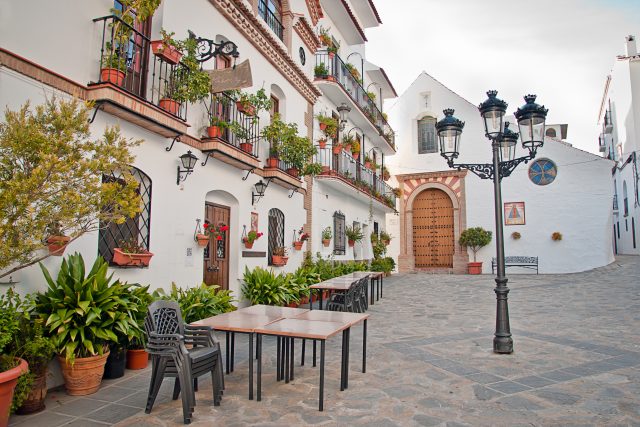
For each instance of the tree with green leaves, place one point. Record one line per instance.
(51, 179)
(475, 238)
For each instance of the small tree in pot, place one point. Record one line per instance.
(475, 238)
(354, 234)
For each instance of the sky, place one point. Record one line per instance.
(560, 50)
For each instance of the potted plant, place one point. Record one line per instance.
(188, 82)
(130, 252)
(397, 191)
(242, 134)
(302, 237)
(82, 314)
(354, 234)
(326, 237)
(324, 36)
(262, 286)
(277, 133)
(57, 242)
(385, 173)
(367, 161)
(199, 302)
(251, 237)
(137, 356)
(202, 239)
(216, 127)
(353, 71)
(355, 149)
(328, 126)
(347, 142)
(279, 256)
(298, 152)
(333, 49)
(475, 238)
(322, 143)
(113, 65)
(251, 104)
(385, 237)
(13, 370)
(215, 232)
(321, 71)
(167, 48)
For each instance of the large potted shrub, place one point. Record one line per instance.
(82, 313)
(199, 302)
(475, 238)
(262, 286)
(298, 153)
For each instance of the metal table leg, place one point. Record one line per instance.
(364, 347)
(278, 344)
(372, 285)
(251, 365)
(227, 346)
(259, 380)
(342, 361)
(381, 285)
(292, 358)
(346, 365)
(314, 353)
(233, 351)
(304, 341)
(286, 360)
(321, 403)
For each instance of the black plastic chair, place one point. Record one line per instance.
(182, 352)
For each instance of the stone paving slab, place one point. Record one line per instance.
(430, 362)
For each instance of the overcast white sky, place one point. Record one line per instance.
(561, 50)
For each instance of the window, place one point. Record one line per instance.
(136, 228)
(543, 172)
(276, 231)
(275, 106)
(338, 232)
(625, 201)
(271, 12)
(618, 224)
(551, 132)
(427, 135)
(375, 227)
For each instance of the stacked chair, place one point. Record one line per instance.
(354, 300)
(182, 352)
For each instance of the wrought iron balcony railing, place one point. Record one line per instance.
(607, 123)
(338, 71)
(132, 66)
(273, 161)
(615, 202)
(270, 18)
(346, 166)
(234, 127)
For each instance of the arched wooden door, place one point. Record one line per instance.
(433, 240)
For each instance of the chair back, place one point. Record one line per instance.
(164, 317)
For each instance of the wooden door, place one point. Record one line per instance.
(216, 254)
(433, 240)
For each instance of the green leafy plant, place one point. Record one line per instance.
(353, 70)
(220, 122)
(384, 236)
(131, 246)
(355, 147)
(280, 251)
(475, 238)
(252, 236)
(199, 302)
(84, 313)
(298, 152)
(259, 101)
(311, 169)
(385, 265)
(371, 95)
(327, 233)
(142, 298)
(347, 139)
(354, 233)
(239, 130)
(320, 70)
(328, 125)
(188, 82)
(262, 286)
(277, 133)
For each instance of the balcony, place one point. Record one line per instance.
(615, 203)
(270, 18)
(602, 143)
(608, 122)
(340, 86)
(281, 173)
(132, 81)
(345, 174)
(235, 138)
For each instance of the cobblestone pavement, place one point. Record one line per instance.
(576, 363)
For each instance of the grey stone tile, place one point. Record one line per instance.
(533, 381)
(79, 407)
(484, 393)
(508, 387)
(81, 422)
(484, 378)
(519, 403)
(112, 393)
(113, 413)
(557, 397)
(426, 420)
(559, 375)
(46, 418)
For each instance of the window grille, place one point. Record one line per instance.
(427, 135)
(338, 232)
(136, 228)
(276, 231)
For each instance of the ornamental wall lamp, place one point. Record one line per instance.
(531, 122)
(343, 111)
(188, 161)
(207, 49)
(260, 188)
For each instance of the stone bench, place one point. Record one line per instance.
(517, 261)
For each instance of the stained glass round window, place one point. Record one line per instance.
(542, 172)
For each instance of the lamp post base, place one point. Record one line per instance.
(503, 345)
(502, 341)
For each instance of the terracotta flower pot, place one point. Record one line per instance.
(247, 147)
(272, 162)
(323, 126)
(112, 75)
(165, 51)
(336, 148)
(367, 165)
(169, 105)
(123, 258)
(294, 172)
(57, 244)
(347, 148)
(326, 242)
(475, 267)
(279, 261)
(331, 55)
(248, 245)
(352, 243)
(8, 381)
(84, 376)
(246, 108)
(326, 170)
(214, 131)
(322, 143)
(298, 245)
(137, 359)
(356, 155)
(203, 240)
(34, 402)
(293, 304)
(386, 242)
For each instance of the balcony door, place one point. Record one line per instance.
(216, 254)
(137, 56)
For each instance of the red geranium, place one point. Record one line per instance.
(215, 231)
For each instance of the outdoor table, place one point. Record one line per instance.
(336, 284)
(289, 329)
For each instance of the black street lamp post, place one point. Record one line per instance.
(531, 121)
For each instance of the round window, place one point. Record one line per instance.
(303, 56)
(542, 172)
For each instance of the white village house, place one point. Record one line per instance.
(564, 190)
(619, 141)
(280, 39)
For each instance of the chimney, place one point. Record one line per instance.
(632, 50)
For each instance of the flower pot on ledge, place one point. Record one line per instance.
(112, 75)
(202, 239)
(474, 267)
(294, 172)
(336, 148)
(165, 51)
(125, 259)
(57, 244)
(247, 147)
(246, 108)
(214, 131)
(169, 105)
(279, 261)
(272, 162)
(352, 243)
(8, 381)
(322, 143)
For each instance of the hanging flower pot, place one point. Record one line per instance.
(57, 244)
(112, 75)
(347, 148)
(137, 358)
(248, 245)
(352, 243)
(214, 131)
(169, 105)
(272, 162)
(166, 51)
(279, 260)
(246, 108)
(138, 259)
(336, 148)
(322, 143)
(323, 126)
(298, 245)
(367, 165)
(247, 147)
(202, 239)
(356, 155)
(326, 242)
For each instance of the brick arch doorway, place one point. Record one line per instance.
(433, 229)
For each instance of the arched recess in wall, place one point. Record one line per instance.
(278, 102)
(220, 259)
(550, 132)
(222, 61)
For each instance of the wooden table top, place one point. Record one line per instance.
(301, 328)
(334, 316)
(333, 285)
(270, 310)
(237, 321)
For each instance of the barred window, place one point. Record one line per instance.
(427, 135)
(338, 232)
(276, 231)
(137, 228)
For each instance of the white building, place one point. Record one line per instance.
(560, 191)
(61, 53)
(619, 118)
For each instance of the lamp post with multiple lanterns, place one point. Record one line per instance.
(531, 122)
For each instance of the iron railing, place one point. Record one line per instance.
(615, 202)
(133, 68)
(280, 164)
(270, 18)
(337, 69)
(365, 179)
(237, 128)
(608, 123)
